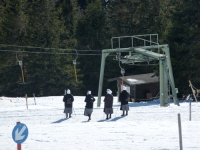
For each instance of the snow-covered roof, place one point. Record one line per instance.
(138, 79)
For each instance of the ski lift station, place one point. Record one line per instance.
(143, 49)
(142, 87)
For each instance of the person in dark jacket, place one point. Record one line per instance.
(124, 98)
(108, 104)
(68, 99)
(89, 99)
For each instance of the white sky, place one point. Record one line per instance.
(147, 127)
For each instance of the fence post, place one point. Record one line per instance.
(190, 113)
(34, 98)
(26, 101)
(180, 132)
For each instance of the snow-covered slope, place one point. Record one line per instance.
(147, 127)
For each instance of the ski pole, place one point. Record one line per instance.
(74, 111)
(117, 110)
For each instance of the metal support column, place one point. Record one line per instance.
(176, 101)
(168, 60)
(103, 58)
(161, 75)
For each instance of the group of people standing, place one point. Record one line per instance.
(124, 98)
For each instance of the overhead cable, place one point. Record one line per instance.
(31, 47)
(53, 53)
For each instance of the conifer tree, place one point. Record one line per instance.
(132, 17)
(181, 31)
(42, 27)
(10, 26)
(90, 34)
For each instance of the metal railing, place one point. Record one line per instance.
(146, 39)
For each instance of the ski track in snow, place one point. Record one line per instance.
(147, 126)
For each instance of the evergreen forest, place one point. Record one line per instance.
(47, 46)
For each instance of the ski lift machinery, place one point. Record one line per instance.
(74, 62)
(148, 51)
(22, 70)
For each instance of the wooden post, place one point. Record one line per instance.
(190, 116)
(193, 92)
(34, 98)
(19, 145)
(26, 101)
(180, 132)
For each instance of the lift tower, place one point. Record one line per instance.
(143, 48)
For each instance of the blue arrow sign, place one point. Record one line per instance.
(20, 133)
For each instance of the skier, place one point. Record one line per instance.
(89, 99)
(68, 99)
(108, 104)
(124, 98)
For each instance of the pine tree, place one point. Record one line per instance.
(41, 27)
(181, 31)
(56, 71)
(90, 34)
(70, 14)
(132, 17)
(9, 32)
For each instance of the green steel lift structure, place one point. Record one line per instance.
(143, 49)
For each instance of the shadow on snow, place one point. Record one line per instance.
(138, 104)
(114, 119)
(60, 120)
